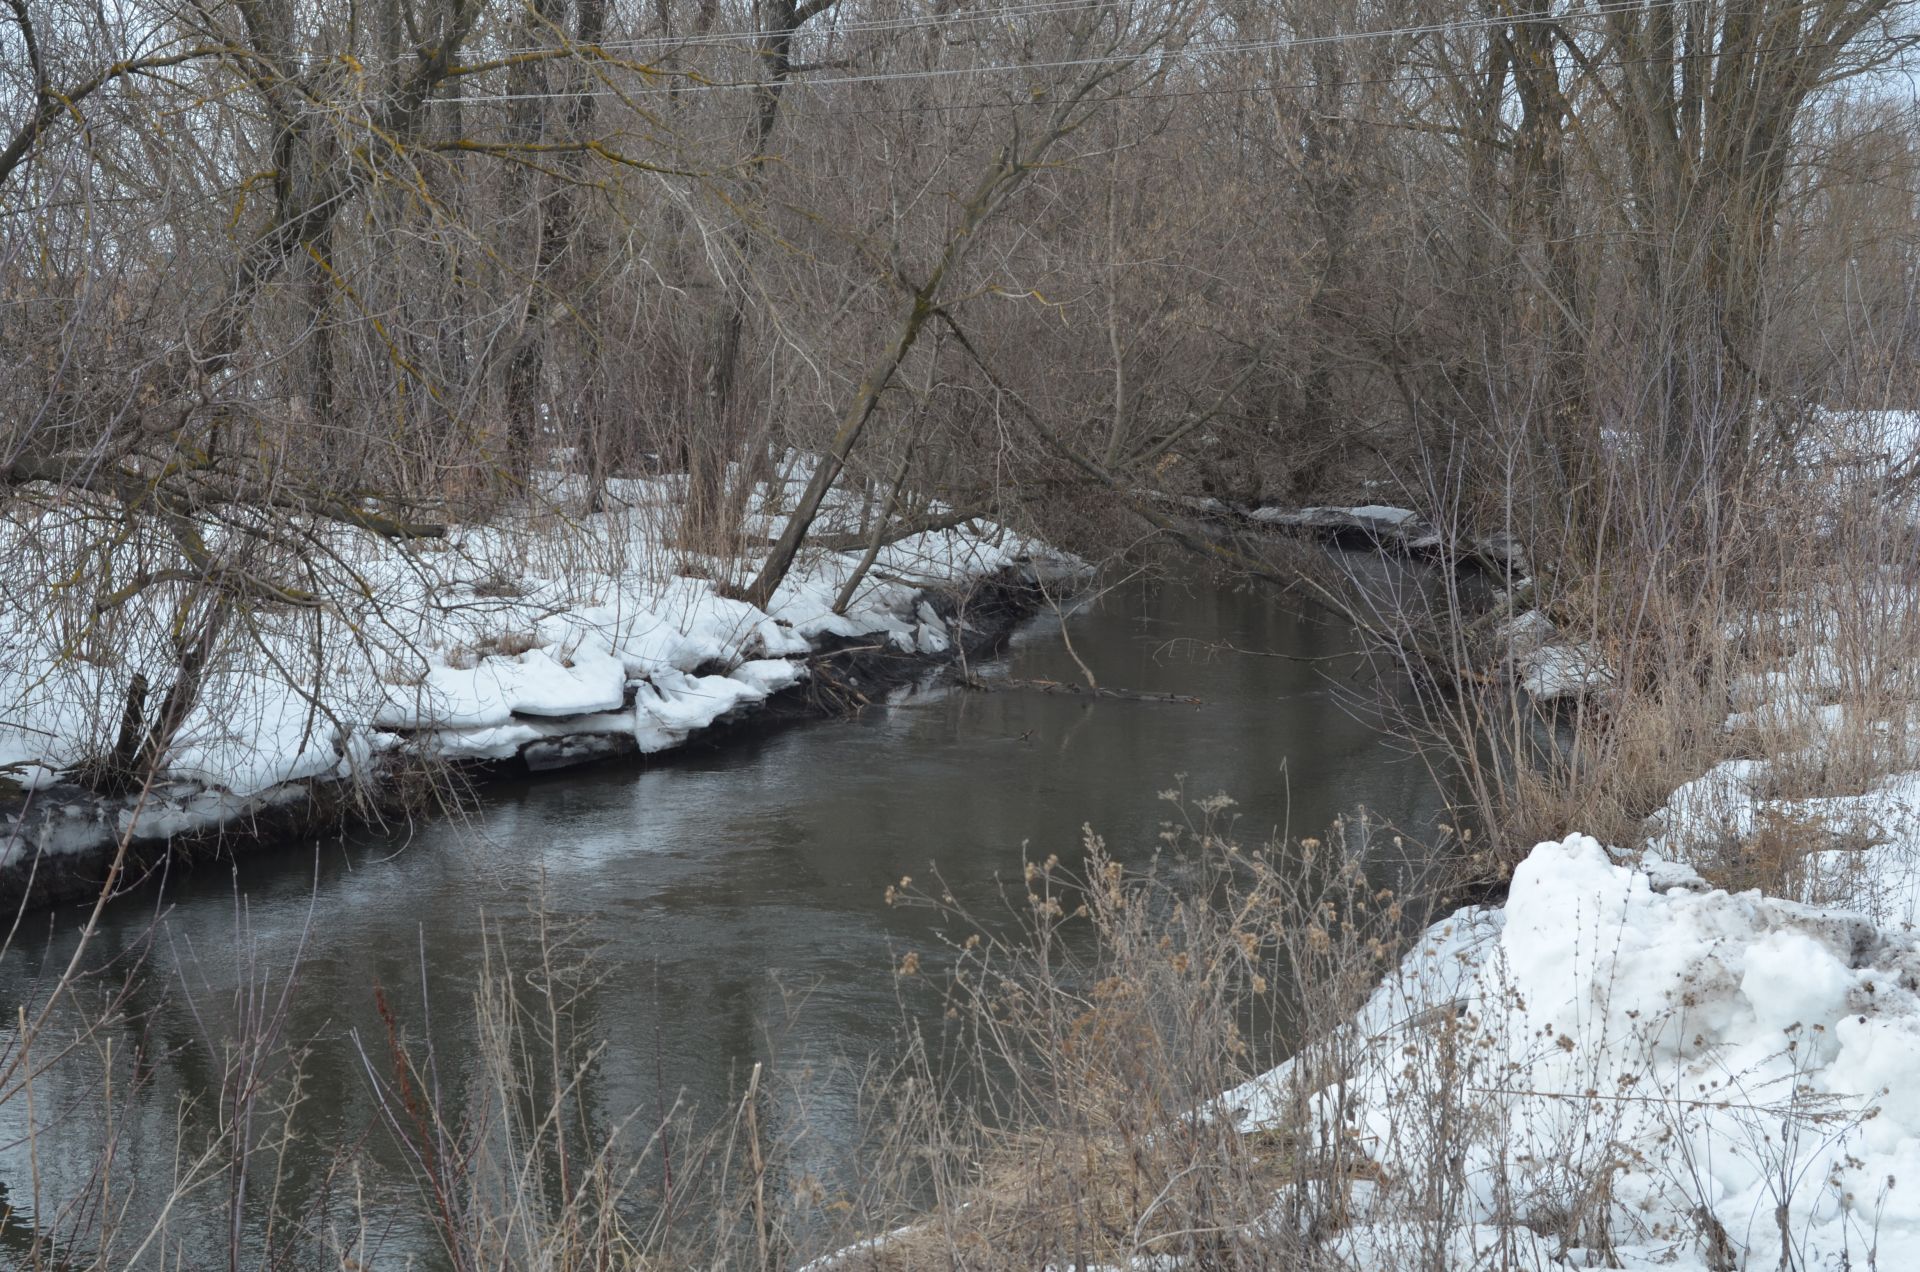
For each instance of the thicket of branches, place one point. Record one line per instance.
(411, 249)
(1578, 269)
(1586, 271)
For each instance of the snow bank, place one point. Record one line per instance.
(1629, 1068)
(1386, 525)
(1547, 665)
(1626, 1067)
(552, 638)
(1836, 800)
(1634, 1069)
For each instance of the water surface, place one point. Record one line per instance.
(717, 891)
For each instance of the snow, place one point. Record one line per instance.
(1628, 1067)
(1720, 1061)
(1832, 773)
(1382, 512)
(1372, 518)
(1553, 672)
(1863, 442)
(1547, 665)
(1524, 633)
(561, 633)
(1862, 850)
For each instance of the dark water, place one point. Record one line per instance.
(734, 899)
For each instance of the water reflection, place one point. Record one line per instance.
(716, 890)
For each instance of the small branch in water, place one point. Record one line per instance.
(1093, 691)
(1228, 647)
(1066, 637)
(850, 699)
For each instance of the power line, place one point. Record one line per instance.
(1218, 48)
(1213, 48)
(1228, 48)
(754, 35)
(699, 39)
(840, 112)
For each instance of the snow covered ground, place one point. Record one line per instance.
(525, 638)
(1627, 1067)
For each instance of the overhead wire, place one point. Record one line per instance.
(984, 103)
(938, 21)
(833, 26)
(1208, 49)
(1225, 48)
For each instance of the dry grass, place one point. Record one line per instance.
(1778, 624)
(1772, 859)
(1099, 1149)
(512, 644)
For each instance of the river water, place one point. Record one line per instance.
(734, 899)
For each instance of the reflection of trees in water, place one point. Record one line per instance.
(732, 901)
(17, 1231)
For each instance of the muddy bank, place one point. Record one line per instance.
(70, 835)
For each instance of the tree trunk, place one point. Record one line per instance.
(1000, 181)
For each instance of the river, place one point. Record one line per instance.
(733, 899)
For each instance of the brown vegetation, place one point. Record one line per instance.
(1581, 274)
(1592, 275)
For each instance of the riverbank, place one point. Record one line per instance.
(1688, 1045)
(528, 646)
(513, 648)
(730, 903)
(1691, 1045)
